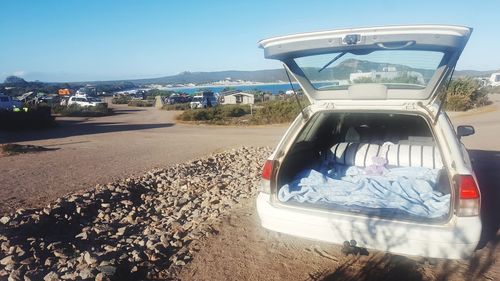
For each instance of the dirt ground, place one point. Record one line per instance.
(245, 251)
(83, 152)
(99, 150)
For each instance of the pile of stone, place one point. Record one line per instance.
(139, 228)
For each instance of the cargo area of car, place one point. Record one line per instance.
(384, 165)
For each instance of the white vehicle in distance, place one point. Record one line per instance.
(374, 162)
(495, 79)
(7, 103)
(204, 100)
(197, 102)
(85, 101)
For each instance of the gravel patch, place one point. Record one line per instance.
(146, 227)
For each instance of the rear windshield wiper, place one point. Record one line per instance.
(333, 60)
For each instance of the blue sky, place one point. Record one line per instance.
(104, 40)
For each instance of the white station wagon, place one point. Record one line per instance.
(373, 161)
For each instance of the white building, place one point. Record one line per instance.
(388, 73)
(237, 98)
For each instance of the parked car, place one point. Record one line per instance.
(196, 102)
(85, 101)
(374, 162)
(8, 103)
(175, 99)
(204, 100)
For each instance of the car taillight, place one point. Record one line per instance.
(469, 196)
(267, 170)
(267, 173)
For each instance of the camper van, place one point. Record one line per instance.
(495, 79)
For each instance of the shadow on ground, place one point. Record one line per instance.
(117, 111)
(487, 166)
(378, 267)
(77, 127)
(481, 266)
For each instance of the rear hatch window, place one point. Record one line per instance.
(396, 69)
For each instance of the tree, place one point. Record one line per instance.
(14, 80)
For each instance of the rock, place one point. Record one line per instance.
(20, 252)
(59, 253)
(146, 219)
(107, 270)
(69, 276)
(126, 202)
(51, 276)
(121, 231)
(88, 258)
(182, 201)
(10, 267)
(83, 235)
(136, 256)
(180, 263)
(101, 277)
(27, 261)
(31, 275)
(109, 248)
(98, 229)
(15, 275)
(4, 220)
(8, 260)
(86, 273)
(50, 261)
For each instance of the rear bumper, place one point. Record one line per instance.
(455, 240)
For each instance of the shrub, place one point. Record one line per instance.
(493, 89)
(75, 110)
(140, 103)
(121, 100)
(215, 114)
(177, 106)
(458, 103)
(268, 113)
(197, 115)
(233, 110)
(465, 93)
(34, 118)
(282, 111)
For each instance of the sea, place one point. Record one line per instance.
(271, 88)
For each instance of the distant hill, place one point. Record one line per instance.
(474, 73)
(265, 76)
(341, 71)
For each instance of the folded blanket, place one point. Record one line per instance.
(410, 189)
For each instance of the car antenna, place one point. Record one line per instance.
(295, 94)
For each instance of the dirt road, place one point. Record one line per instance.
(87, 151)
